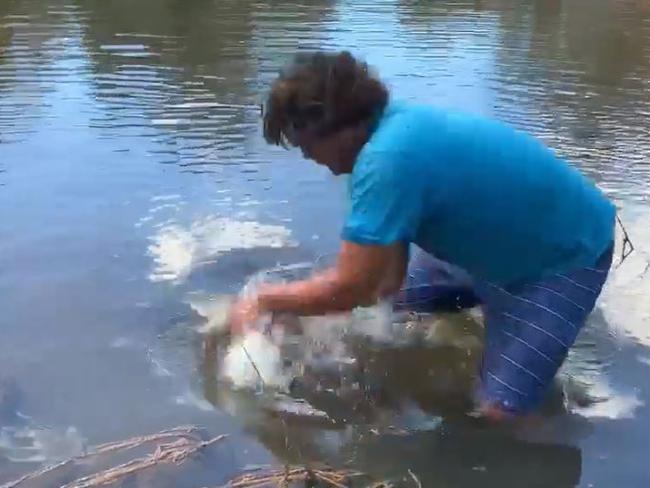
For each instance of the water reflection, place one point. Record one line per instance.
(186, 74)
(582, 88)
(130, 148)
(30, 40)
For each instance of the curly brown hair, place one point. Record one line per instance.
(322, 92)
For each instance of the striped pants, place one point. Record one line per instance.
(528, 329)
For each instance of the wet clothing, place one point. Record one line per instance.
(503, 222)
(476, 193)
(528, 328)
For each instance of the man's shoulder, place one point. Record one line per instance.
(413, 122)
(401, 127)
(408, 136)
(398, 111)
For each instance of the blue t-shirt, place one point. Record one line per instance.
(476, 193)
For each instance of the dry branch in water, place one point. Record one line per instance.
(415, 479)
(180, 444)
(174, 452)
(184, 443)
(282, 477)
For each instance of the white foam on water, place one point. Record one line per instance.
(192, 400)
(610, 404)
(591, 393)
(163, 206)
(253, 361)
(173, 252)
(37, 445)
(374, 323)
(165, 197)
(214, 309)
(624, 300)
(122, 342)
(644, 360)
(176, 250)
(59, 444)
(159, 369)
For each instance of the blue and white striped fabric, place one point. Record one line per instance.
(529, 329)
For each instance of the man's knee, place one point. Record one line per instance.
(434, 285)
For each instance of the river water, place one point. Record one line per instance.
(133, 178)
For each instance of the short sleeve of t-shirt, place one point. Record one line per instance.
(385, 204)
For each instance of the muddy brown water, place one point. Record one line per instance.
(133, 177)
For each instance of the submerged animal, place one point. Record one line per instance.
(341, 367)
(353, 366)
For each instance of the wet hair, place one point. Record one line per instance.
(322, 92)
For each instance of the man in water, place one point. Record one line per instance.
(497, 218)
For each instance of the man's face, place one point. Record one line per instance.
(326, 151)
(324, 154)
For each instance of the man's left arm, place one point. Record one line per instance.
(386, 199)
(362, 275)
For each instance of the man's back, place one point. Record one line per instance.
(477, 193)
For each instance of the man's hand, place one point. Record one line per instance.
(362, 275)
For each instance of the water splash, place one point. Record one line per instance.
(609, 403)
(37, 445)
(254, 361)
(177, 250)
(212, 308)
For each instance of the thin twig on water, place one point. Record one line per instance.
(186, 443)
(415, 479)
(254, 366)
(183, 431)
